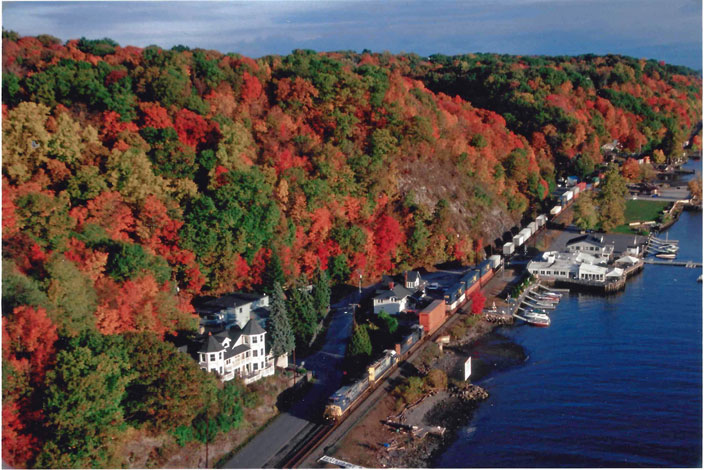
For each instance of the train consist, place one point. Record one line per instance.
(347, 397)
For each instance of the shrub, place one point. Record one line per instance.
(436, 379)
(183, 435)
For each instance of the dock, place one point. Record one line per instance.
(686, 264)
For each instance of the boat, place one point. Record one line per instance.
(536, 319)
(699, 279)
(545, 298)
(552, 294)
(666, 255)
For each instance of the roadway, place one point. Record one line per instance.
(271, 445)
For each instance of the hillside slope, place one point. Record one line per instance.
(135, 179)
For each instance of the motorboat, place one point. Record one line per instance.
(536, 319)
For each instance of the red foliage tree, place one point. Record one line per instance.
(478, 301)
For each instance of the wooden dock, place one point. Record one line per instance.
(686, 264)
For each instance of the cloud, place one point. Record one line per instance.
(633, 27)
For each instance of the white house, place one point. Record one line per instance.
(237, 352)
(392, 301)
(592, 245)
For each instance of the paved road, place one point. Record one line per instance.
(271, 444)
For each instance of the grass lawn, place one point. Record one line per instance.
(640, 211)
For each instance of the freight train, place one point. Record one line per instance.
(347, 397)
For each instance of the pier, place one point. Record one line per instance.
(686, 264)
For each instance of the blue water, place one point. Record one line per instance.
(614, 381)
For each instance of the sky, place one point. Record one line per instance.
(669, 30)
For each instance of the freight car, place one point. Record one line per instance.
(471, 281)
(485, 271)
(346, 398)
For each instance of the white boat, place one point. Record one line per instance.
(552, 294)
(666, 255)
(536, 319)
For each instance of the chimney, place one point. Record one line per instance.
(391, 285)
(397, 348)
(405, 277)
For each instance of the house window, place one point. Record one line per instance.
(256, 366)
(202, 357)
(220, 370)
(212, 357)
(220, 355)
(246, 354)
(228, 361)
(240, 309)
(254, 339)
(262, 352)
(254, 353)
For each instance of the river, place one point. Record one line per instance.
(614, 381)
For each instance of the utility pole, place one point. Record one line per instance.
(207, 427)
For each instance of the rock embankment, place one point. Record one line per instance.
(499, 318)
(451, 410)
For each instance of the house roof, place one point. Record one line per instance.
(252, 328)
(211, 345)
(591, 269)
(616, 272)
(232, 300)
(627, 260)
(240, 349)
(591, 239)
(398, 291)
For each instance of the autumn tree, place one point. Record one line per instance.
(478, 301)
(586, 216)
(612, 202)
(631, 170)
(695, 187)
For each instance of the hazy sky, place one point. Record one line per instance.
(669, 30)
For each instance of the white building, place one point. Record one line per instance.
(232, 309)
(592, 245)
(392, 301)
(237, 352)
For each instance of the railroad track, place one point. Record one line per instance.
(320, 432)
(316, 435)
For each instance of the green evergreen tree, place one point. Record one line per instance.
(390, 323)
(302, 315)
(321, 293)
(273, 274)
(360, 346)
(83, 402)
(279, 327)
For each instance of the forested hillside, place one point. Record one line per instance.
(135, 179)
